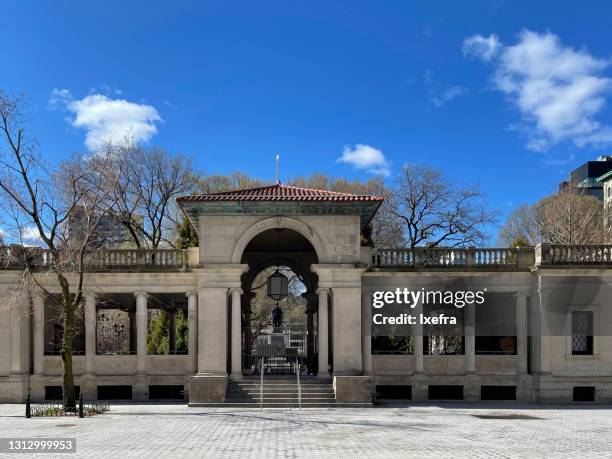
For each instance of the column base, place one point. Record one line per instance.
(207, 389)
(140, 389)
(353, 389)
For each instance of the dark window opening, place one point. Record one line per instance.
(445, 392)
(582, 332)
(114, 392)
(167, 392)
(393, 392)
(57, 392)
(584, 394)
(498, 392)
(495, 345)
(392, 345)
(443, 345)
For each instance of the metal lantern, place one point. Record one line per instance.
(278, 286)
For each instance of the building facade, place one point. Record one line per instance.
(551, 304)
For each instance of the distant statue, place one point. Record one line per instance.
(277, 318)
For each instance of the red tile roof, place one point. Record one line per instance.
(278, 192)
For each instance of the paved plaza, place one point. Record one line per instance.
(416, 430)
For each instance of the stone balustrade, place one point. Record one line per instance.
(517, 258)
(15, 256)
(450, 257)
(553, 254)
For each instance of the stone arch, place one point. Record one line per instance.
(280, 222)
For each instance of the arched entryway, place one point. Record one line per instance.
(294, 338)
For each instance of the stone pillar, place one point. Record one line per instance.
(366, 332)
(39, 333)
(323, 367)
(90, 332)
(141, 331)
(469, 314)
(17, 342)
(346, 320)
(212, 331)
(522, 349)
(236, 333)
(417, 338)
(172, 331)
(192, 316)
(311, 308)
(546, 345)
(215, 281)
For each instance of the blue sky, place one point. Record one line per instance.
(509, 94)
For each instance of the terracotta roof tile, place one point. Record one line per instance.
(278, 192)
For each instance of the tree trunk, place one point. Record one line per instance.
(67, 341)
(68, 376)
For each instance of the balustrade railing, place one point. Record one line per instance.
(576, 254)
(445, 257)
(17, 256)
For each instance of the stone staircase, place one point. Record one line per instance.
(280, 392)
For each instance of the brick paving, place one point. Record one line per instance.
(407, 431)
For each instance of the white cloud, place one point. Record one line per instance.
(447, 95)
(482, 47)
(558, 90)
(107, 120)
(365, 157)
(59, 99)
(30, 234)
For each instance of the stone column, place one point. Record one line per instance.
(90, 332)
(141, 331)
(39, 333)
(522, 349)
(236, 333)
(469, 314)
(311, 308)
(172, 330)
(546, 345)
(366, 332)
(192, 316)
(417, 338)
(323, 332)
(17, 342)
(212, 331)
(246, 309)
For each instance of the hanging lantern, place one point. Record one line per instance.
(278, 286)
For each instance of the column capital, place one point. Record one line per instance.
(141, 293)
(323, 290)
(191, 293)
(234, 290)
(522, 293)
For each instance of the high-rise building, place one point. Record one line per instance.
(584, 179)
(606, 182)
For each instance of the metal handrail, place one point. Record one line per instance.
(261, 372)
(299, 385)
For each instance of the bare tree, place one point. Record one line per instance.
(571, 218)
(146, 185)
(437, 212)
(521, 225)
(566, 217)
(62, 208)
